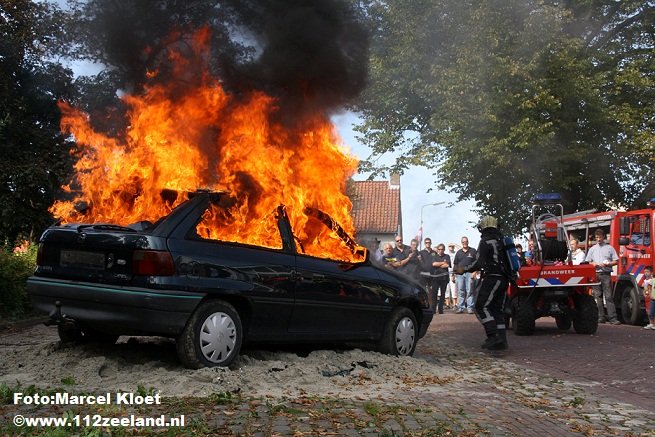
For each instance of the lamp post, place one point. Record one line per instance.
(420, 243)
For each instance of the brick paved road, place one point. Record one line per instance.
(617, 361)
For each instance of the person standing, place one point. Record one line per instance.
(441, 264)
(519, 252)
(411, 266)
(649, 295)
(603, 257)
(451, 293)
(400, 251)
(491, 261)
(529, 253)
(426, 256)
(463, 259)
(577, 254)
(388, 259)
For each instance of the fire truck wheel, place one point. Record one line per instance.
(563, 322)
(630, 307)
(524, 317)
(586, 319)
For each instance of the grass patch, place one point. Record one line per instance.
(372, 408)
(69, 380)
(223, 398)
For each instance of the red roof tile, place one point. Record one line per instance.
(376, 207)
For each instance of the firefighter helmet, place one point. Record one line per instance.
(488, 222)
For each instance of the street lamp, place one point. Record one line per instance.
(427, 204)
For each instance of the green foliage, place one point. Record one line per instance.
(223, 398)
(142, 390)
(7, 392)
(35, 155)
(15, 268)
(505, 99)
(68, 380)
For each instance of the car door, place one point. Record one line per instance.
(259, 281)
(338, 300)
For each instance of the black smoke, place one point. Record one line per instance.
(312, 53)
(309, 55)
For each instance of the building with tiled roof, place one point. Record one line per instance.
(376, 211)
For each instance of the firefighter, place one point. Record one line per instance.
(492, 262)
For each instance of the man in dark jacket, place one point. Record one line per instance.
(492, 262)
(435, 265)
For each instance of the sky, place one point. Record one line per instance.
(442, 223)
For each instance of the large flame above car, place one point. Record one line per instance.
(197, 136)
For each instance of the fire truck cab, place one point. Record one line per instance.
(630, 233)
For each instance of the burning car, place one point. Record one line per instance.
(181, 277)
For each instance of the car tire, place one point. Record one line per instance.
(585, 321)
(563, 322)
(630, 310)
(76, 334)
(212, 336)
(524, 317)
(400, 333)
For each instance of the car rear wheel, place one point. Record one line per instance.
(400, 333)
(212, 336)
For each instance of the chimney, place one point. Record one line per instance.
(394, 181)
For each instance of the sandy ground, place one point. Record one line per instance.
(35, 356)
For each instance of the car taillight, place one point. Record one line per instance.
(153, 263)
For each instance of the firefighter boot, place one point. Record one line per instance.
(496, 342)
(500, 342)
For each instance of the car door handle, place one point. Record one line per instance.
(294, 276)
(318, 276)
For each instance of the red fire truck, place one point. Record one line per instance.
(551, 286)
(629, 232)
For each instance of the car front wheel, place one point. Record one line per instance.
(212, 336)
(400, 333)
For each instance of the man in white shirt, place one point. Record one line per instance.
(603, 256)
(577, 254)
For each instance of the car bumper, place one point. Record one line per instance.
(425, 322)
(122, 310)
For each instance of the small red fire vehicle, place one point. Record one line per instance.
(551, 286)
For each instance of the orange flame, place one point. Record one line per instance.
(205, 138)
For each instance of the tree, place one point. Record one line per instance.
(35, 155)
(505, 99)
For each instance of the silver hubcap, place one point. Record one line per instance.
(218, 335)
(405, 334)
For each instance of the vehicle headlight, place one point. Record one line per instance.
(422, 296)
